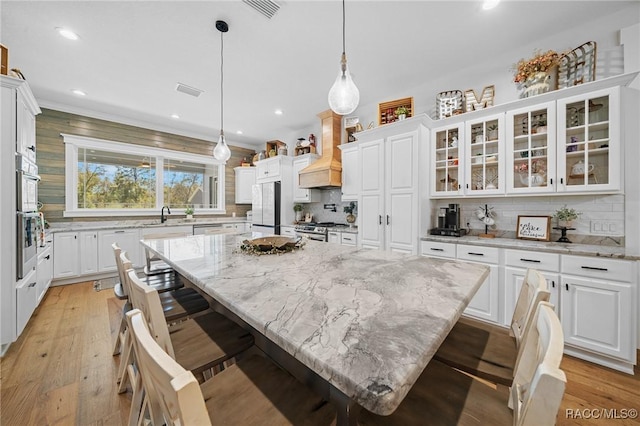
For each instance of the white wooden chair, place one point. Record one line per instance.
(154, 265)
(445, 396)
(491, 354)
(254, 391)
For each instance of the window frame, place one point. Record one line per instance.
(74, 142)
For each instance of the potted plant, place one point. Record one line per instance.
(492, 132)
(566, 216)
(401, 112)
(189, 212)
(298, 209)
(542, 126)
(351, 218)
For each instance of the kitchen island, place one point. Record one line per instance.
(366, 322)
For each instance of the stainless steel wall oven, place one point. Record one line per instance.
(27, 215)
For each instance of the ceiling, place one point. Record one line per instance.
(131, 55)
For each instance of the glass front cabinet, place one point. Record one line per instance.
(446, 150)
(531, 149)
(589, 151)
(484, 152)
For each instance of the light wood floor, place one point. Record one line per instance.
(61, 372)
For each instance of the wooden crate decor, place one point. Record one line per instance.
(448, 103)
(273, 145)
(471, 100)
(578, 66)
(4, 60)
(387, 110)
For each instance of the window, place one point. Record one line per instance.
(106, 178)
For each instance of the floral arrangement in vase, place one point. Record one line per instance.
(349, 210)
(566, 216)
(401, 112)
(534, 74)
(189, 212)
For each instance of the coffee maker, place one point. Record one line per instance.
(449, 222)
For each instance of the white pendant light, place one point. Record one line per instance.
(222, 151)
(344, 96)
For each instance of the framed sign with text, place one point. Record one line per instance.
(534, 228)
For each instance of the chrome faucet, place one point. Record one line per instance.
(163, 218)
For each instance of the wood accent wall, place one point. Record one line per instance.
(51, 167)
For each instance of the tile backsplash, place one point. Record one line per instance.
(594, 208)
(320, 214)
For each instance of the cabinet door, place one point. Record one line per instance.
(484, 304)
(589, 142)
(484, 152)
(26, 300)
(333, 237)
(531, 149)
(245, 179)
(596, 315)
(513, 279)
(401, 200)
(44, 273)
(303, 195)
(371, 200)
(127, 239)
(89, 253)
(350, 182)
(66, 263)
(26, 129)
(447, 156)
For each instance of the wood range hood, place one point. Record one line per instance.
(327, 171)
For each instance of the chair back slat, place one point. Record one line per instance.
(538, 384)
(147, 300)
(534, 290)
(173, 393)
(118, 251)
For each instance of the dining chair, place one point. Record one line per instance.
(489, 353)
(445, 396)
(153, 264)
(253, 391)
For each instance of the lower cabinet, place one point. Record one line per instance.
(288, 231)
(485, 305)
(26, 300)
(67, 261)
(44, 272)
(127, 239)
(344, 238)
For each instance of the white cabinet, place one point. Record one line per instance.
(44, 271)
(127, 239)
(447, 159)
(350, 172)
(66, 262)
(333, 237)
(589, 142)
(288, 231)
(245, 179)
(26, 300)
(484, 160)
(388, 199)
(239, 227)
(89, 252)
(485, 304)
(598, 306)
(269, 170)
(348, 239)
(303, 195)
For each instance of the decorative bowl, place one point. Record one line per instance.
(273, 243)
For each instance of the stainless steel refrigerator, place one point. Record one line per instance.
(265, 204)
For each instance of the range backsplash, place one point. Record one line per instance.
(609, 208)
(320, 214)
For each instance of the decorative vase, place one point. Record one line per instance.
(565, 223)
(299, 216)
(402, 116)
(189, 217)
(351, 219)
(540, 82)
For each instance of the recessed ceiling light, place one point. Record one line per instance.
(78, 92)
(490, 4)
(239, 132)
(67, 33)
(175, 116)
(278, 112)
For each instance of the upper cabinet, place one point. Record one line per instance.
(245, 179)
(448, 153)
(484, 153)
(304, 195)
(589, 142)
(350, 172)
(531, 149)
(271, 169)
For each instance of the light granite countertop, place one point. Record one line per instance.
(132, 224)
(366, 321)
(542, 246)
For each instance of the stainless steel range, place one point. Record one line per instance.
(316, 231)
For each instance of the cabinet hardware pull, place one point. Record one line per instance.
(32, 148)
(346, 239)
(119, 232)
(566, 285)
(594, 268)
(553, 284)
(33, 284)
(75, 237)
(561, 181)
(551, 181)
(48, 257)
(459, 186)
(387, 219)
(436, 249)
(467, 186)
(380, 219)
(529, 260)
(475, 254)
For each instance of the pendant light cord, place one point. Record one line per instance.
(221, 82)
(344, 49)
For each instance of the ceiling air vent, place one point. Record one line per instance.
(188, 90)
(267, 8)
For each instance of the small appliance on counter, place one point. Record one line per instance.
(449, 222)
